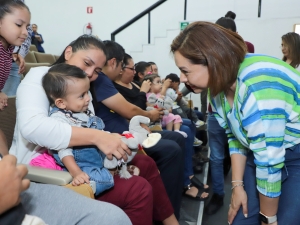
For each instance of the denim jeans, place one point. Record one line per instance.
(189, 128)
(217, 140)
(90, 159)
(13, 81)
(289, 204)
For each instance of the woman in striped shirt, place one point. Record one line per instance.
(256, 99)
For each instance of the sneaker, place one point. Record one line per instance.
(197, 142)
(199, 123)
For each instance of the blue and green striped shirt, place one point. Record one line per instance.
(264, 117)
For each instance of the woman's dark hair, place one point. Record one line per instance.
(6, 6)
(126, 59)
(227, 23)
(114, 50)
(152, 63)
(292, 40)
(150, 77)
(140, 67)
(83, 42)
(211, 45)
(55, 82)
(173, 77)
(230, 14)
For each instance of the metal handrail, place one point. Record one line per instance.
(147, 11)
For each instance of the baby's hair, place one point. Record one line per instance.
(173, 77)
(6, 6)
(150, 77)
(55, 82)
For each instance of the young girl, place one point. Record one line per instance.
(14, 20)
(169, 121)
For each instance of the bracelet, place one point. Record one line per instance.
(237, 181)
(237, 185)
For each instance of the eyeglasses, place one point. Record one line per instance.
(133, 68)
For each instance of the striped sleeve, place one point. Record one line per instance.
(235, 147)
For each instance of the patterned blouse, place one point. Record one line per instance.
(264, 117)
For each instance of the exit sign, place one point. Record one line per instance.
(89, 10)
(183, 25)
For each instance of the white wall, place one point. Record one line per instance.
(62, 21)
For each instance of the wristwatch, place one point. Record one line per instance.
(267, 219)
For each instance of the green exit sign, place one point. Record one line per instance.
(183, 25)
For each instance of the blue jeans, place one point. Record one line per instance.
(90, 159)
(289, 204)
(189, 128)
(217, 140)
(13, 81)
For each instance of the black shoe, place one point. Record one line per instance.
(215, 203)
(200, 158)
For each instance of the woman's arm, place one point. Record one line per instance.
(165, 86)
(127, 110)
(36, 127)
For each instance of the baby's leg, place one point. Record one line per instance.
(177, 125)
(169, 126)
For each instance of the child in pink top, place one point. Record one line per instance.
(169, 121)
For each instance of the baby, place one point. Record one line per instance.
(67, 88)
(169, 120)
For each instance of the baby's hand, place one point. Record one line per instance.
(80, 178)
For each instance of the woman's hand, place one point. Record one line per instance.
(3, 100)
(145, 86)
(80, 178)
(155, 114)
(238, 199)
(111, 144)
(20, 61)
(12, 182)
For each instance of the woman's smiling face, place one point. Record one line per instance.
(195, 75)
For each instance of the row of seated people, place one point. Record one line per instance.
(159, 195)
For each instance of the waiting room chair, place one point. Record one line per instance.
(44, 58)
(33, 48)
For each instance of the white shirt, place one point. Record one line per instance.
(171, 94)
(34, 128)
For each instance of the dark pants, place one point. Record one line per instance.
(289, 202)
(168, 155)
(137, 195)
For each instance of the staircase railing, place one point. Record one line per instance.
(147, 11)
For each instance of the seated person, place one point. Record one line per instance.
(180, 106)
(141, 69)
(169, 120)
(35, 129)
(67, 88)
(113, 108)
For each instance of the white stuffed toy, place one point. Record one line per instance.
(155, 102)
(135, 138)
